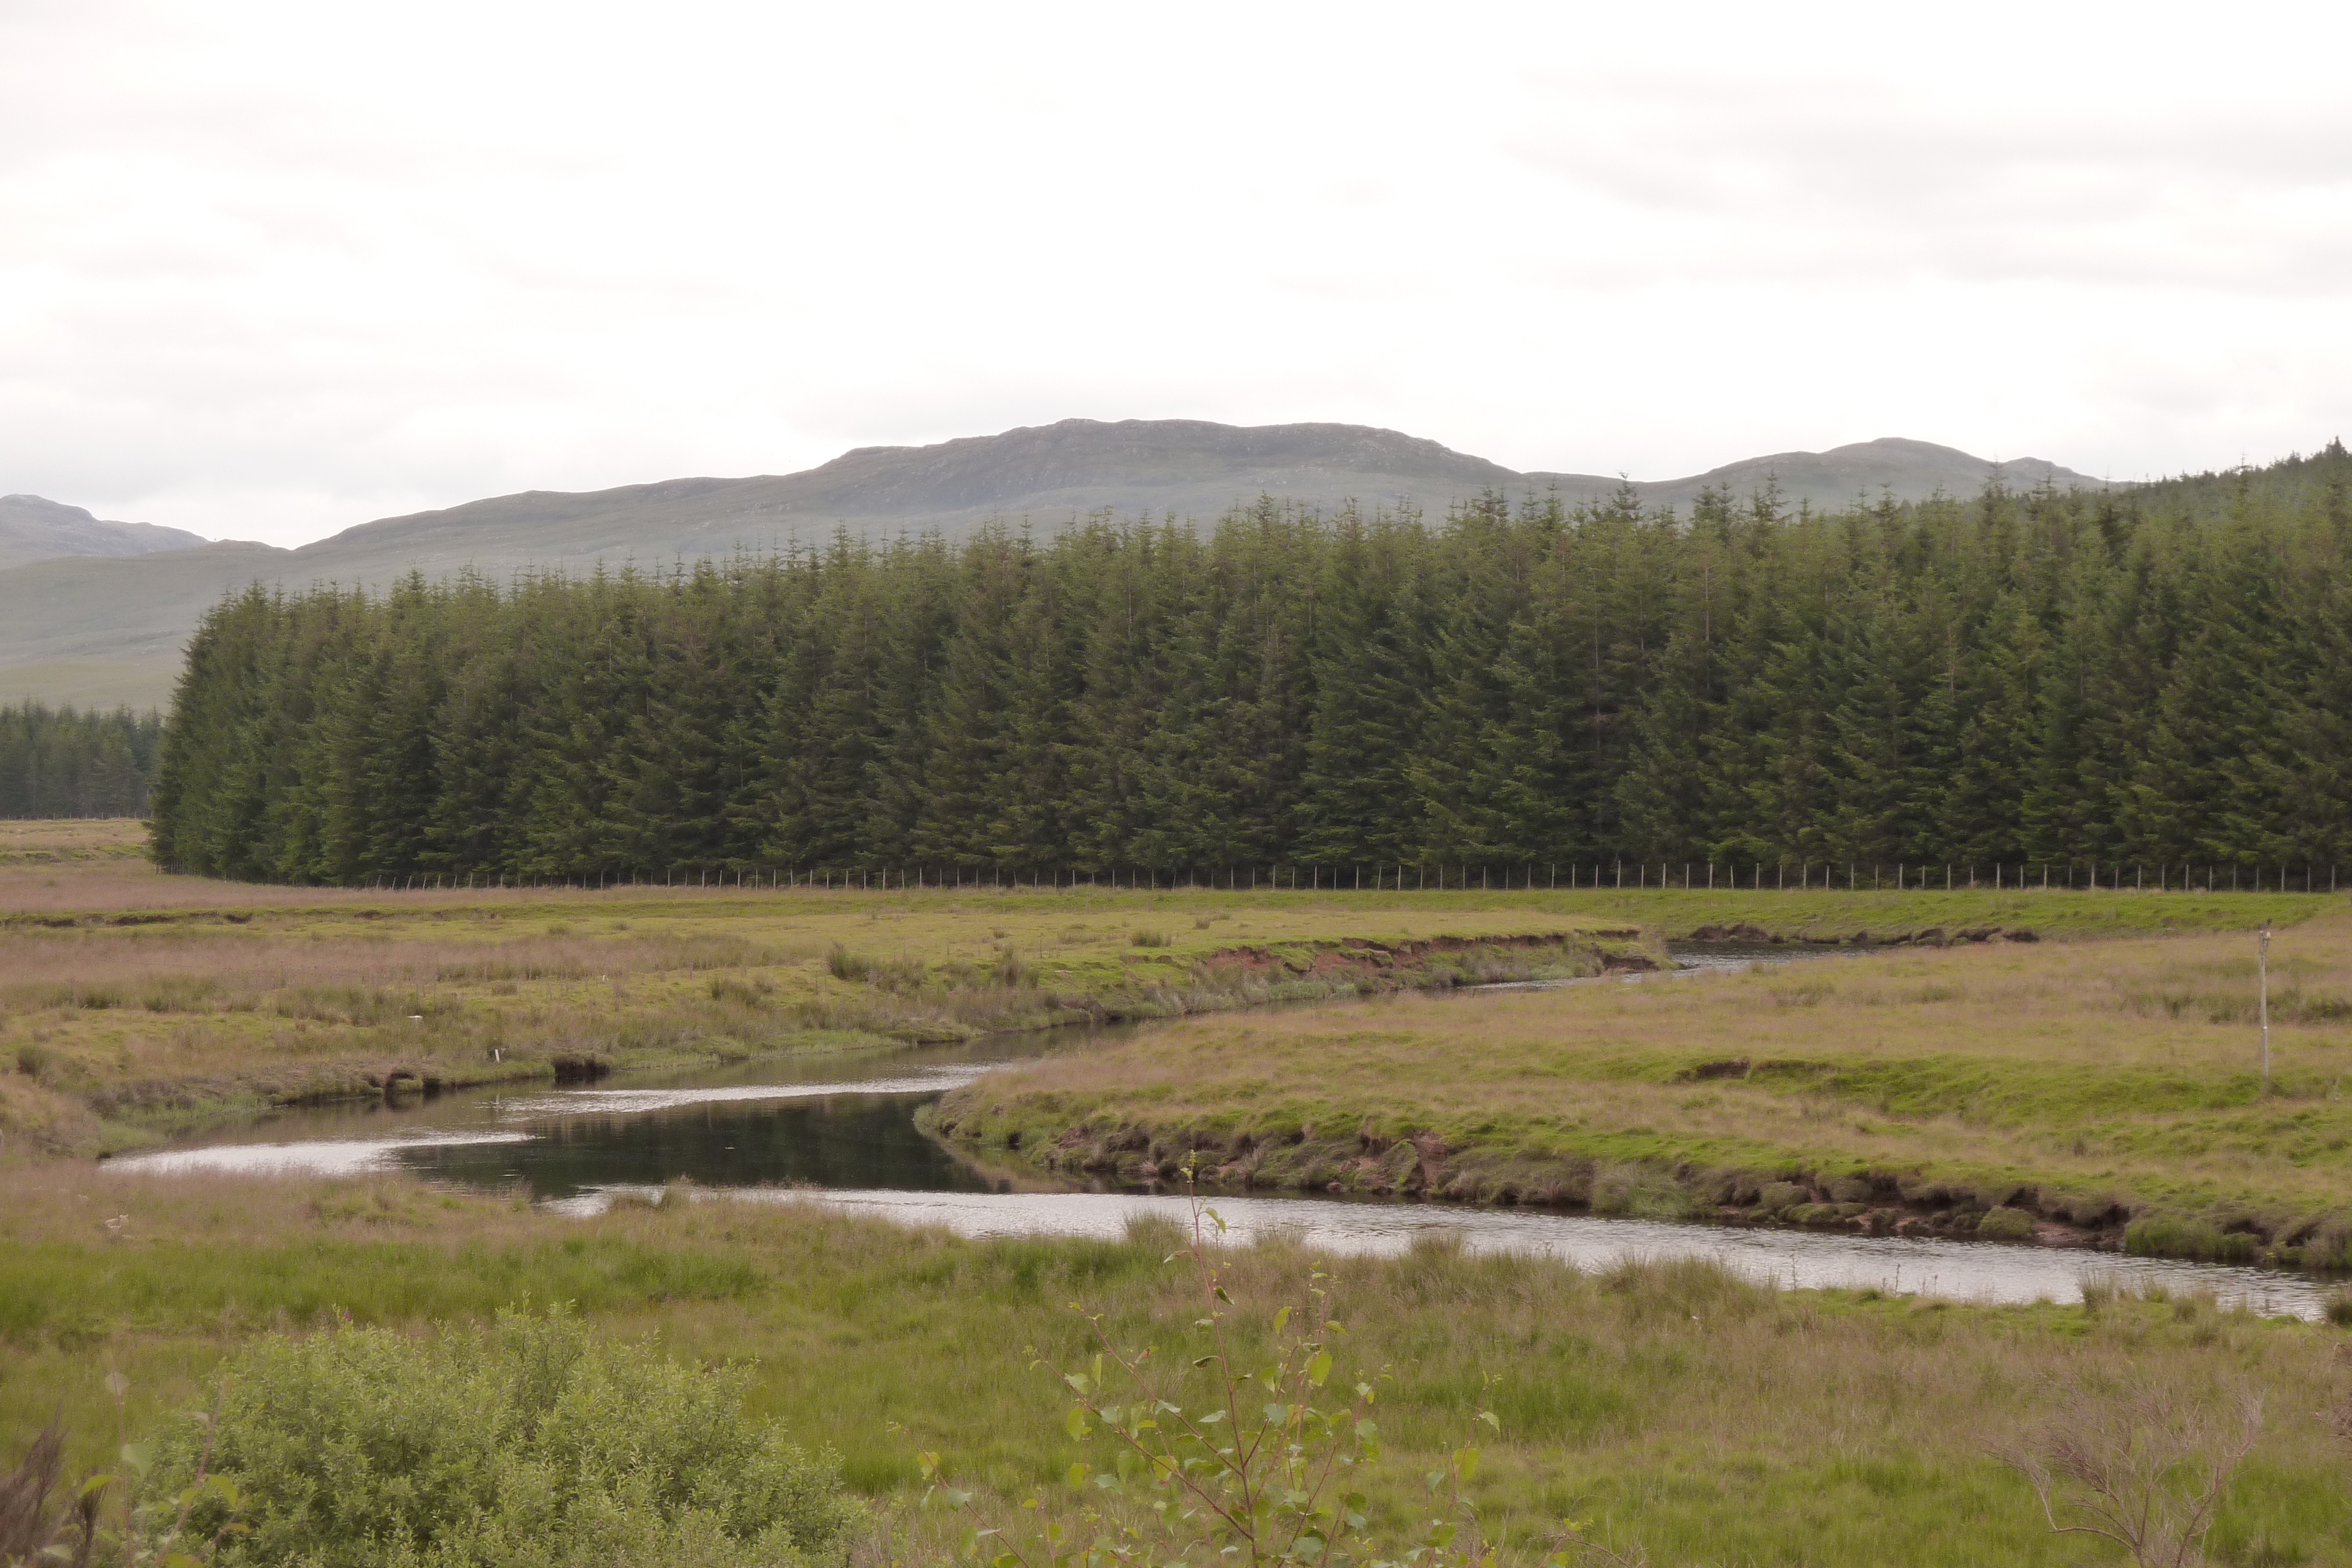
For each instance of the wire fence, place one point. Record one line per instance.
(1618, 876)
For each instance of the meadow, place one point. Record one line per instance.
(1673, 1413)
(1671, 1408)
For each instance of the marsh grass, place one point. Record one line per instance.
(81, 866)
(66, 836)
(2022, 1080)
(1669, 1404)
(219, 999)
(146, 1025)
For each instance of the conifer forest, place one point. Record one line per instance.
(2158, 675)
(66, 762)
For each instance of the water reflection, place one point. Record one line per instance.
(320, 1156)
(842, 1140)
(855, 1131)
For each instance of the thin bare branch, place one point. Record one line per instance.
(2145, 1467)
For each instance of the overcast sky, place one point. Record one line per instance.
(271, 269)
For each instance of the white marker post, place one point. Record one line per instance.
(2263, 968)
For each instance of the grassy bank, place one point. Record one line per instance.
(1710, 1421)
(119, 1020)
(1933, 915)
(2091, 1093)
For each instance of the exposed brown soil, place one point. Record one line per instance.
(1926, 936)
(1364, 1162)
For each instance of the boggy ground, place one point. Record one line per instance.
(1709, 1421)
(2081, 1092)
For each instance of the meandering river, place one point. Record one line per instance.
(839, 1130)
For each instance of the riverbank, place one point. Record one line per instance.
(2100, 1094)
(105, 1064)
(120, 1025)
(1674, 1407)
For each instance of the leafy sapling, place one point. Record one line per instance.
(1219, 1456)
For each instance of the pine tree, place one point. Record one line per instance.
(1367, 628)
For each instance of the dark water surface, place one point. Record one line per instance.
(831, 1121)
(839, 1130)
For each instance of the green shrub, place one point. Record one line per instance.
(2006, 1224)
(1154, 939)
(846, 965)
(525, 1445)
(2339, 1308)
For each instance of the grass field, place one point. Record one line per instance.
(1670, 1407)
(78, 841)
(1709, 1421)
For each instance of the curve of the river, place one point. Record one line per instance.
(840, 1132)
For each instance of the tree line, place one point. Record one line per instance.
(68, 762)
(2156, 675)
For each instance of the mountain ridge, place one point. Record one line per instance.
(87, 628)
(33, 528)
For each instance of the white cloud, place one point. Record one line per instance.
(269, 269)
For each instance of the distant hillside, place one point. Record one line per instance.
(1053, 474)
(107, 630)
(1867, 470)
(32, 529)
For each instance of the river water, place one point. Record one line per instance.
(839, 1130)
